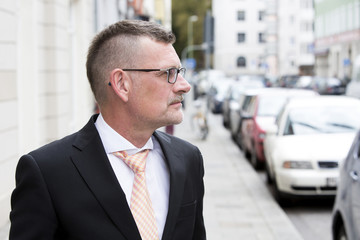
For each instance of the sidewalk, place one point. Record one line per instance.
(237, 205)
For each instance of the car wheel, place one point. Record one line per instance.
(268, 175)
(253, 159)
(245, 150)
(341, 234)
(225, 122)
(281, 199)
(238, 138)
(233, 135)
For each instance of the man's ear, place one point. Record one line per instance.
(119, 83)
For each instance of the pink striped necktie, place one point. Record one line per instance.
(140, 203)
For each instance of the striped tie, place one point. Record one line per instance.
(140, 203)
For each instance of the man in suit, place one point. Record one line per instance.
(79, 188)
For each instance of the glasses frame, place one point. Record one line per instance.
(167, 70)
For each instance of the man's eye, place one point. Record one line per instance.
(172, 72)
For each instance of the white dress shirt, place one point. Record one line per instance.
(156, 173)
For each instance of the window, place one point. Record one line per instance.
(241, 37)
(306, 48)
(292, 19)
(241, 15)
(292, 40)
(306, 4)
(241, 62)
(262, 38)
(306, 26)
(261, 15)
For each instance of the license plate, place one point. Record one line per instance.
(331, 182)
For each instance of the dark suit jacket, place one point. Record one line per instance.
(68, 190)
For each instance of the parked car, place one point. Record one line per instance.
(311, 138)
(288, 81)
(264, 105)
(346, 211)
(304, 82)
(271, 80)
(328, 86)
(236, 114)
(216, 94)
(252, 78)
(204, 79)
(231, 100)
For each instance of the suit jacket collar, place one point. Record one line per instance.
(174, 157)
(93, 165)
(90, 159)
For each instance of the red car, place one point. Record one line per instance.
(264, 106)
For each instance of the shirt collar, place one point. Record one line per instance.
(114, 142)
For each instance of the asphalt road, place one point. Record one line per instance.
(312, 217)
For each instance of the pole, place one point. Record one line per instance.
(190, 35)
(207, 39)
(191, 48)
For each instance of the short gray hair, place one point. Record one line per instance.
(116, 46)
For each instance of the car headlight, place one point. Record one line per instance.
(297, 165)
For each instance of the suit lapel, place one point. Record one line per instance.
(174, 158)
(93, 165)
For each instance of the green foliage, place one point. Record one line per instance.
(181, 11)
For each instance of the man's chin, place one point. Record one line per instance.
(176, 119)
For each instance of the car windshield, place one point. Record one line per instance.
(270, 105)
(323, 120)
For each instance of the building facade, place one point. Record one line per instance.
(271, 37)
(239, 39)
(337, 33)
(295, 37)
(44, 93)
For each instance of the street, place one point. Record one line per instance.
(311, 217)
(228, 213)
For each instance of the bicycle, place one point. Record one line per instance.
(199, 122)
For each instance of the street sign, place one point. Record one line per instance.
(190, 63)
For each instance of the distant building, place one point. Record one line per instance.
(239, 40)
(274, 37)
(296, 37)
(271, 37)
(337, 36)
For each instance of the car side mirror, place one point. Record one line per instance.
(246, 116)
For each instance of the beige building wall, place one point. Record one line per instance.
(44, 93)
(163, 12)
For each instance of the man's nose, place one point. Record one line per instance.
(182, 84)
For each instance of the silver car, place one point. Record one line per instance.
(346, 212)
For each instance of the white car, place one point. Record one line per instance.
(311, 138)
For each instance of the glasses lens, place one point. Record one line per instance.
(172, 75)
(182, 71)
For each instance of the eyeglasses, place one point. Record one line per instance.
(172, 73)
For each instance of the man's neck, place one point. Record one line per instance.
(137, 135)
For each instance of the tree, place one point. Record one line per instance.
(181, 11)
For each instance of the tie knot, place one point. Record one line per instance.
(136, 162)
